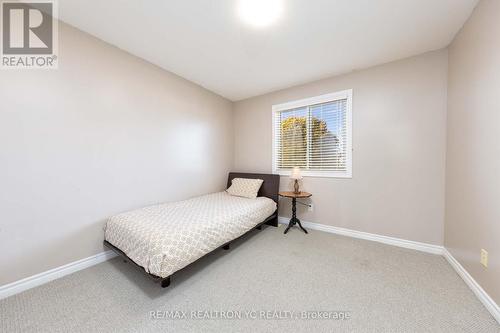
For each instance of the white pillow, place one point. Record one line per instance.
(245, 187)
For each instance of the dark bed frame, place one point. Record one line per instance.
(269, 189)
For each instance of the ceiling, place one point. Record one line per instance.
(206, 42)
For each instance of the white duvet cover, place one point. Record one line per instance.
(167, 237)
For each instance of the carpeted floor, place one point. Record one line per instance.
(269, 280)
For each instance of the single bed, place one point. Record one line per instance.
(165, 238)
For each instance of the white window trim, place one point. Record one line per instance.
(345, 94)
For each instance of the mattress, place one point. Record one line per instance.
(167, 237)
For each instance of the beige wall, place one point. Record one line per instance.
(399, 121)
(473, 151)
(105, 133)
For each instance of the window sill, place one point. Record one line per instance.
(316, 174)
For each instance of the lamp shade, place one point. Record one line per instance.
(296, 173)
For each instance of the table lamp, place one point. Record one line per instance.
(296, 176)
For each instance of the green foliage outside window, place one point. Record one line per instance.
(294, 139)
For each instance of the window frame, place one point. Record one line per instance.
(307, 102)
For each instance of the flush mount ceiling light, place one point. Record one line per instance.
(260, 13)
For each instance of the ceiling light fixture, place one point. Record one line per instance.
(260, 13)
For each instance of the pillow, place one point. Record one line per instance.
(245, 187)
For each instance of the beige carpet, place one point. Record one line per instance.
(381, 288)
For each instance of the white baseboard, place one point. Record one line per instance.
(58, 272)
(424, 247)
(487, 301)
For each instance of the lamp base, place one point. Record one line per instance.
(296, 189)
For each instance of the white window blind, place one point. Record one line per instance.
(315, 135)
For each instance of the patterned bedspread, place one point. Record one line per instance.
(167, 237)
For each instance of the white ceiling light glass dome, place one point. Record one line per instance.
(260, 13)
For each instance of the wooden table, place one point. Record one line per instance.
(294, 220)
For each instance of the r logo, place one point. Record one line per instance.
(27, 28)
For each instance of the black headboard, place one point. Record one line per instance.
(270, 187)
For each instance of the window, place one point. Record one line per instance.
(314, 134)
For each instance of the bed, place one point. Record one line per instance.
(164, 238)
